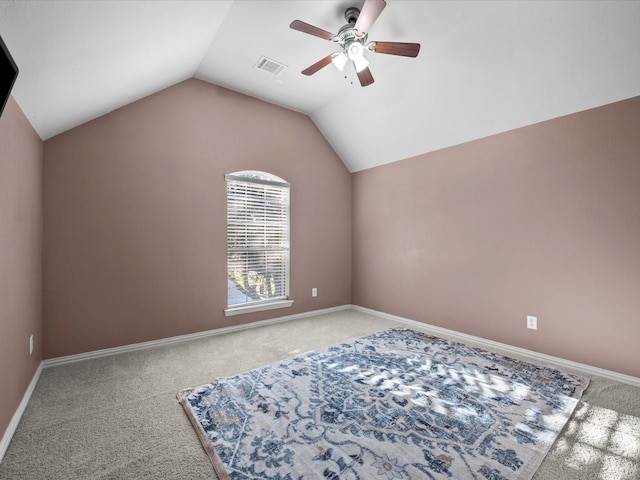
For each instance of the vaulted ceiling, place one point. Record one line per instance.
(484, 67)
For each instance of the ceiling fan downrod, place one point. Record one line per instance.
(351, 14)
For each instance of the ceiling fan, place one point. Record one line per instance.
(352, 39)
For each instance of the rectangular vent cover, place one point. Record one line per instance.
(270, 66)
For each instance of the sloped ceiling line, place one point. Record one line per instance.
(484, 67)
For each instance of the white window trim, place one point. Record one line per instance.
(266, 304)
(229, 312)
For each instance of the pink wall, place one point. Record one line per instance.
(20, 257)
(135, 216)
(543, 220)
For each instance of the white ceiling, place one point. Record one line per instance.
(484, 67)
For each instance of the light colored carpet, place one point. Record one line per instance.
(117, 417)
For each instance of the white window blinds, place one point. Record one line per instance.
(257, 238)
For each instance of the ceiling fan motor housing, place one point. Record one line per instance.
(347, 35)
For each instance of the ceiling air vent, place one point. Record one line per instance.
(270, 66)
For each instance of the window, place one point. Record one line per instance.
(257, 242)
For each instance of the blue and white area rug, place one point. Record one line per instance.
(398, 404)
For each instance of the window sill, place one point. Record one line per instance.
(258, 308)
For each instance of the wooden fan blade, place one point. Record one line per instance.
(318, 65)
(311, 30)
(365, 77)
(370, 12)
(396, 48)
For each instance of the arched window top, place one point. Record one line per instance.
(256, 176)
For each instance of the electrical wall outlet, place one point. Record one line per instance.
(532, 322)
(31, 345)
(314, 292)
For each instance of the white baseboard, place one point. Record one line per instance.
(184, 338)
(15, 420)
(539, 357)
(536, 356)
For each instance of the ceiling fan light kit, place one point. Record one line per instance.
(340, 60)
(352, 38)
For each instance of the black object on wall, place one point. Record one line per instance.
(8, 74)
